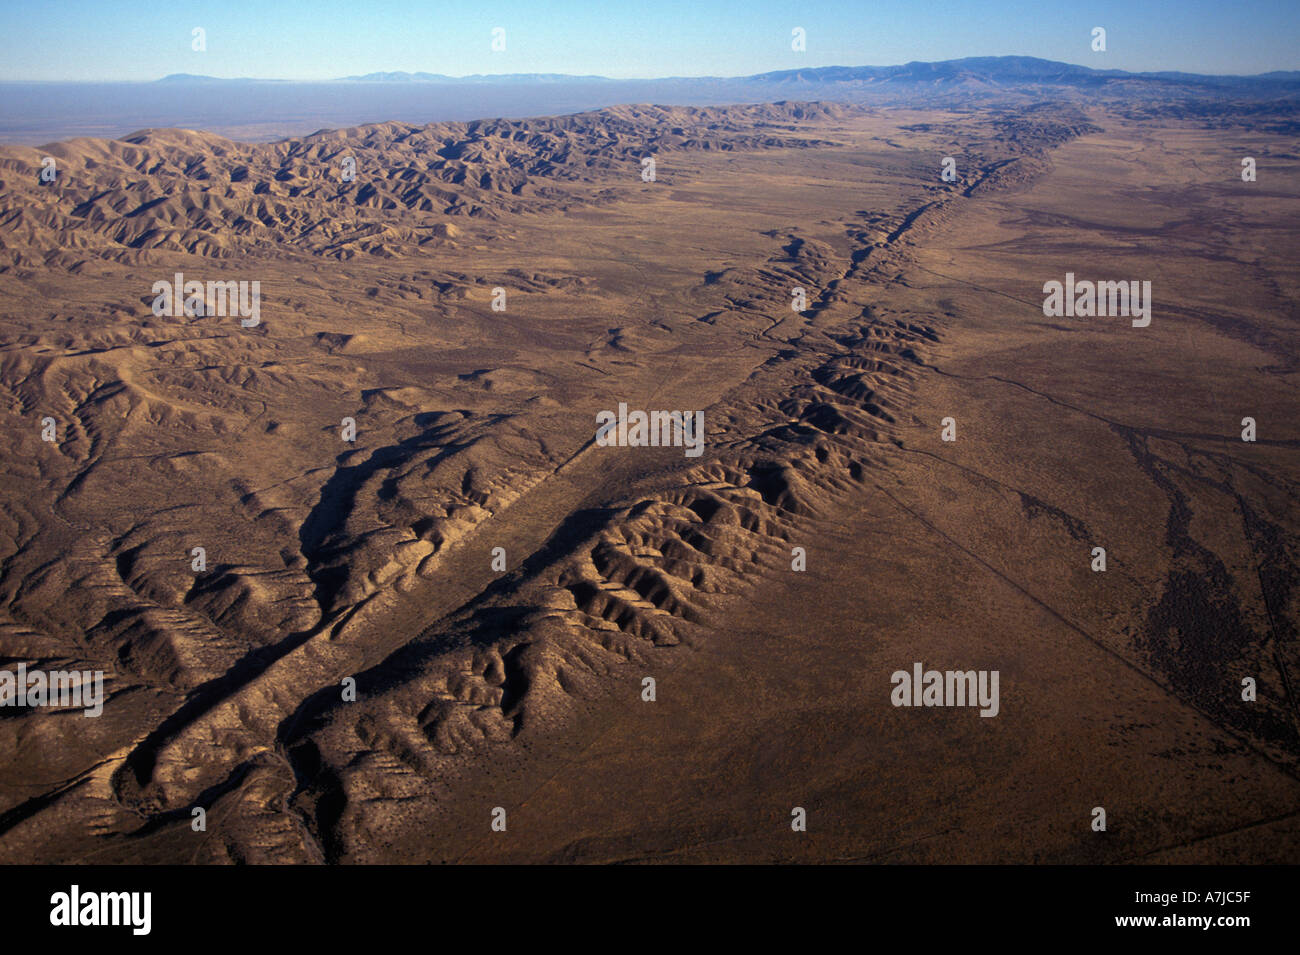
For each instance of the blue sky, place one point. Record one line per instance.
(280, 39)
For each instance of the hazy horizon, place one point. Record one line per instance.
(264, 110)
(596, 77)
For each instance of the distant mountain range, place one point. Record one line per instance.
(981, 70)
(1002, 69)
(474, 78)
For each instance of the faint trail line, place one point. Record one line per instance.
(1036, 306)
(1146, 432)
(1213, 835)
(984, 477)
(1281, 767)
(889, 850)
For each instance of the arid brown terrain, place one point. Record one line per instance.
(522, 689)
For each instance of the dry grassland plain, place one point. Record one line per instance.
(827, 537)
